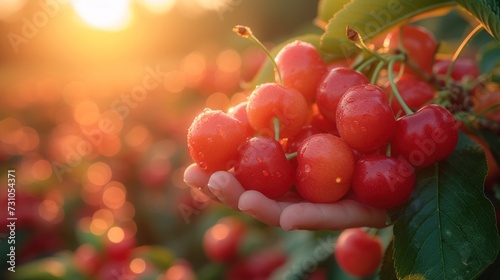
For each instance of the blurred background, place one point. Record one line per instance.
(95, 101)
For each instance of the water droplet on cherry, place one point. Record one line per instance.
(220, 130)
(201, 155)
(259, 159)
(265, 173)
(202, 165)
(307, 168)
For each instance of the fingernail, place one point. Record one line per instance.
(290, 228)
(216, 190)
(248, 212)
(190, 184)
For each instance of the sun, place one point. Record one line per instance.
(110, 15)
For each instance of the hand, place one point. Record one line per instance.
(289, 212)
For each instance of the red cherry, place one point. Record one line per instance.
(239, 112)
(364, 118)
(415, 94)
(425, 137)
(263, 167)
(221, 242)
(270, 101)
(210, 131)
(358, 253)
(419, 43)
(301, 67)
(464, 67)
(325, 167)
(333, 85)
(383, 182)
(259, 265)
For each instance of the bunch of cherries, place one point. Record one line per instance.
(327, 130)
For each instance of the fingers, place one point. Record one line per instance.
(262, 208)
(226, 188)
(196, 178)
(337, 216)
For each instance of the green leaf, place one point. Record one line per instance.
(487, 12)
(328, 8)
(489, 57)
(387, 271)
(371, 18)
(492, 272)
(448, 229)
(493, 142)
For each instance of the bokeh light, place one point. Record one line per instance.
(137, 265)
(158, 6)
(116, 234)
(110, 15)
(10, 8)
(114, 195)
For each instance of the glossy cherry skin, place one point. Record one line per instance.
(383, 182)
(420, 44)
(425, 137)
(262, 166)
(325, 167)
(210, 131)
(270, 101)
(415, 93)
(239, 112)
(463, 67)
(301, 67)
(358, 253)
(333, 85)
(221, 242)
(364, 118)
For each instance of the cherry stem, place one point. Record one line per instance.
(365, 63)
(395, 90)
(388, 150)
(276, 126)
(372, 231)
(246, 32)
(457, 53)
(356, 38)
(291, 155)
(376, 72)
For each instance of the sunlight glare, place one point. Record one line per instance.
(110, 15)
(158, 6)
(10, 7)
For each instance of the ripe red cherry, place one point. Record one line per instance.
(293, 143)
(425, 137)
(325, 167)
(239, 112)
(333, 85)
(221, 242)
(358, 253)
(262, 166)
(259, 265)
(270, 101)
(463, 67)
(415, 94)
(420, 44)
(301, 67)
(383, 182)
(364, 118)
(210, 131)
